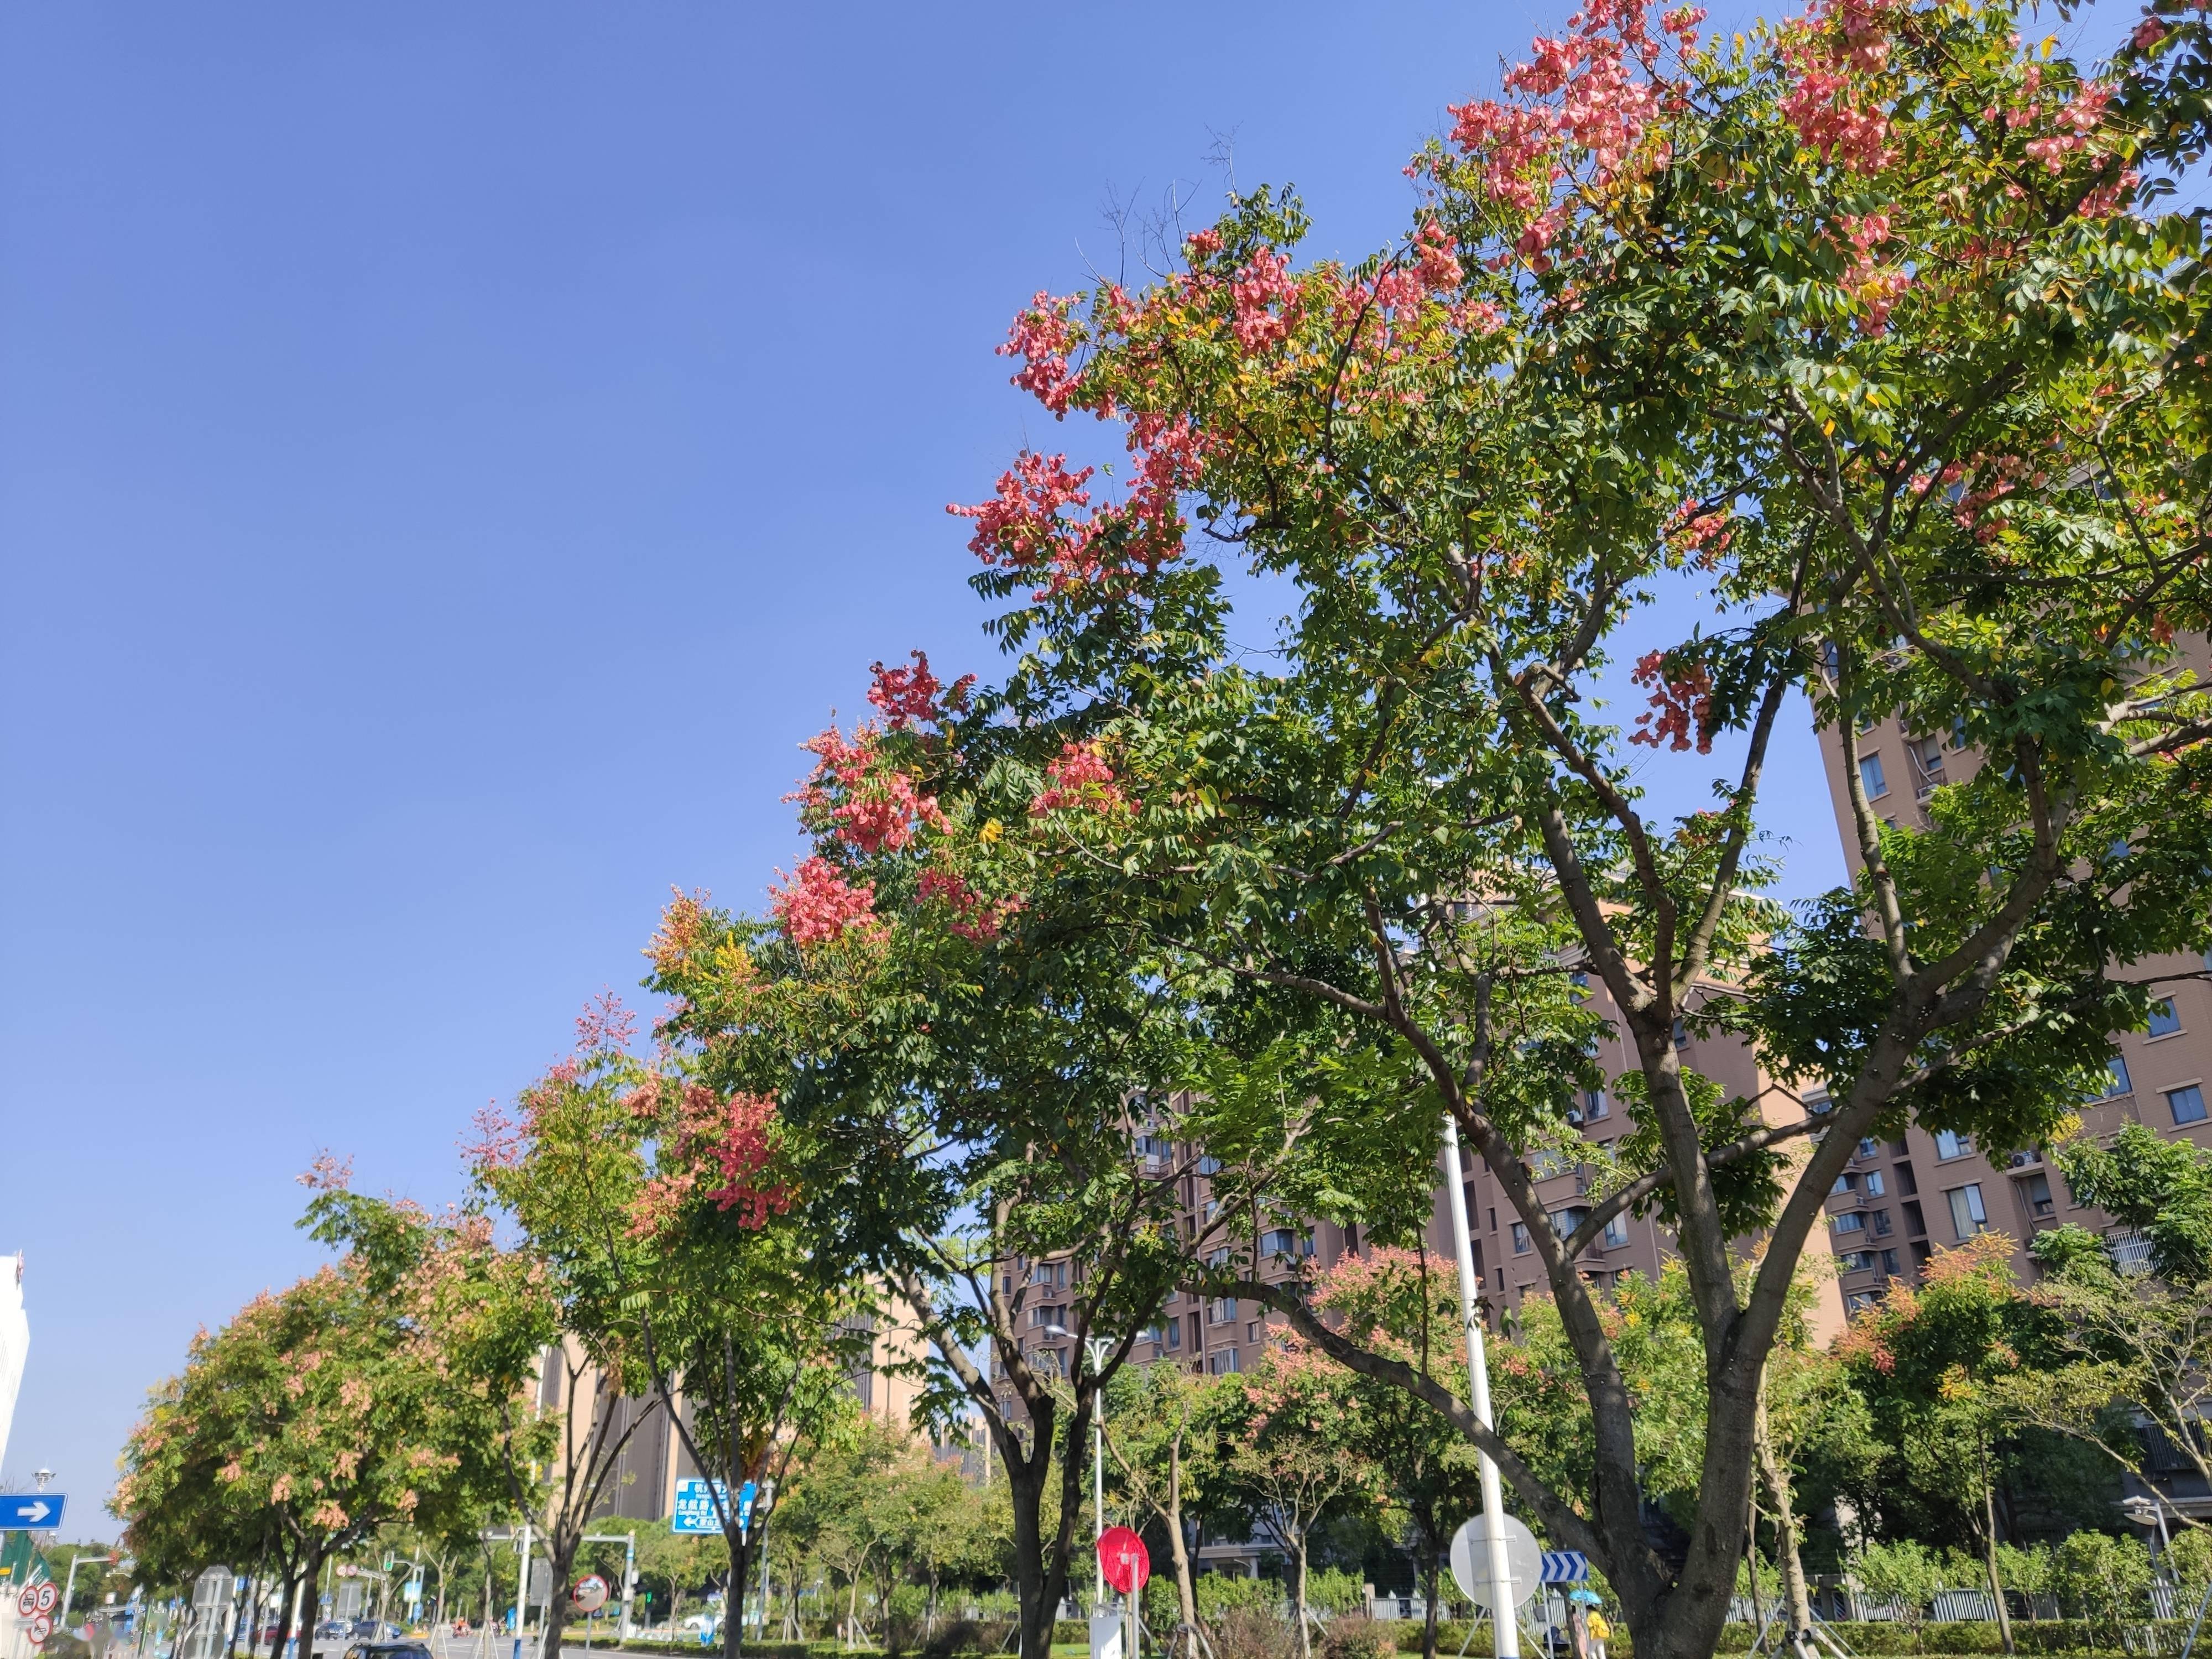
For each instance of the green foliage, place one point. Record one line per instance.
(2161, 1188)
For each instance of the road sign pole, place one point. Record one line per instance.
(1508, 1640)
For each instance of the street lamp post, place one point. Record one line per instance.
(1503, 1603)
(1097, 1348)
(69, 1584)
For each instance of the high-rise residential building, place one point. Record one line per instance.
(1505, 1257)
(1943, 1190)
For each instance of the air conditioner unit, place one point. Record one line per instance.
(1574, 1118)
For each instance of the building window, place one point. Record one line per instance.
(1868, 1147)
(1870, 774)
(1878, 1223)
(1209, 1166)
(2186, 1104)
(2130, 1250)
(1222, 1362)
(2164, 1021)
(1889, 1264)
(2037, 1189)
(1222, 1311)
(1915, 1223)
(1520, 1239)
(1846, 1182)
(1595, 1105)
(1967, 1215)
(1681, 1034)
(2121, 1083)
(1874, 1187)
(1949, 1145)
(1284, 1241)
(1850, 1222)
(1616, 1232)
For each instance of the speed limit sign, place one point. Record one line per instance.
(47, 1596)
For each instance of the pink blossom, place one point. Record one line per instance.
(1024, 528)
(1682, 23)
(500, 1140)
(2077, 119)
(1439, 267)
(327, 1174)
(1079, 776)
(1202, 244)
(1830, 52)
(2110, 197)
(1263, 284)
(973, 919)
(1041, 336)
(872, 807)
(1679, 701)
(1021, 526)
(908, 695)
(605, 1025)
(2149, 34)
(744, 1149)
(1877, 288)
(818, 905)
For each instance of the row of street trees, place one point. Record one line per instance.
(1866, 329)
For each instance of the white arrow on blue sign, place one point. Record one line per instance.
(24, 1511)
(1566, 1566)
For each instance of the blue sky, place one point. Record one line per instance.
(449, 457)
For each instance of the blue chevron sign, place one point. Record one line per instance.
(1566, 1566)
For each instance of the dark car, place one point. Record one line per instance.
(388, 1651)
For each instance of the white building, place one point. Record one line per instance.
(14, 1343)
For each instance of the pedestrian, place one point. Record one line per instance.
(1599, 1631)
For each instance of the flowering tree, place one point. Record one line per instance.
(1859, 329)
(1934, 1363)
(1289, 1458)
(649, 1205)
(320, 1414)
(974, 1069)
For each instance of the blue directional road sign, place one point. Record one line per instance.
(695, 1509)
(1566, 1566)
(29, 1511)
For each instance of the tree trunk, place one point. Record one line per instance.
(733, 1599)
(311, 1570)
(1298, 1596)
(1178, 1545)
(1797, 1603)
(1429, 1612)
(1039, 1611)
(560, 1547)
(1990, 1551)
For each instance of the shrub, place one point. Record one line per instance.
(1357, 1637)
(1248, 1632)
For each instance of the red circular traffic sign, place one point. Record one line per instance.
(39, 1628)
(1128, 1564)
(47, 1596)
(27, 1602)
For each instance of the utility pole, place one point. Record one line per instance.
(522, 1591)
(1503, 1603)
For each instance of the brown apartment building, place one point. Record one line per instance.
(1939, 1190)
(643, 1486)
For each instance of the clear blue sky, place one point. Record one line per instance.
(449, 457)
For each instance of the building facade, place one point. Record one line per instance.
(1933, 1191)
